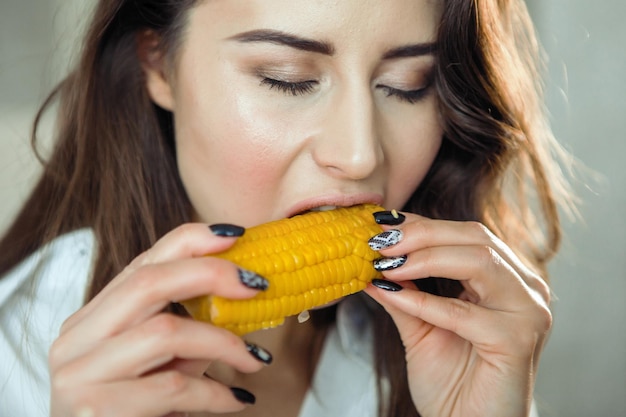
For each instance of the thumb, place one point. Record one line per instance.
(411, 329)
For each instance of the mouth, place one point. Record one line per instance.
(333, 202)
(323, 208)
(320, 208)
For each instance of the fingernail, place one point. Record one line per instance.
(259, 353)
(392, 218)
(386, 264)
(386, 285)
(253, 280)
(227, 230)
(243, 396)
(385, 239)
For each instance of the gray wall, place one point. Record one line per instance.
(584, 367)
(583, 370)
(36, 38)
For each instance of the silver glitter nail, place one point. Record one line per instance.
(385, 240)
(259, 353)
(386, 264)
(253, 280)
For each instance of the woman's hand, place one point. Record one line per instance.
(121, 355)
(473, 356)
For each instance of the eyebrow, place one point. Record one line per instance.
(325, 48)
(414, 50)
(283, 38)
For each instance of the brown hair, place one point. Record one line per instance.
(498, 163)
(113, 168)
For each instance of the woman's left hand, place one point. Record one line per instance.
(476, 355)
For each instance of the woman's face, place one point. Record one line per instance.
(281, 106)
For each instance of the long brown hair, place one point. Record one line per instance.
(113, 168)
(499, 163)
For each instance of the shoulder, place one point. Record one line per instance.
(60, 263)
(36, 297)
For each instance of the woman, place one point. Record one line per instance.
(182, 114)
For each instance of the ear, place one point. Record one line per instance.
(153, 63)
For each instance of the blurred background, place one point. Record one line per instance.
(583, 371)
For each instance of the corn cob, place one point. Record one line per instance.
(309, 260)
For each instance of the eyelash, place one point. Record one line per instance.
(304, 87)
(411, 97)
(295, 89)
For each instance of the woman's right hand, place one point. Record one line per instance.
(122, 355)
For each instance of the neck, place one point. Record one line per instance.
(294, 347)
(291, 338)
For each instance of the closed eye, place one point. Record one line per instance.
(409, 96)
(290, 88)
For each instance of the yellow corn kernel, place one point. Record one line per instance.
(309, 260)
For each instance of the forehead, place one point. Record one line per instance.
(344, 22)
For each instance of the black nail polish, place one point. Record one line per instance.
(259, 353)
(227, 230)
(386, 264)
(385, 240)
(243, 396)
(392, 218)
(253, 280)
(386, 285)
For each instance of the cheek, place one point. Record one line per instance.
(411, 158)
(250, 143)
(234, 140)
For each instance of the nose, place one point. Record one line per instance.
(348, 146)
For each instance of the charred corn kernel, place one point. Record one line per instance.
(309, 260)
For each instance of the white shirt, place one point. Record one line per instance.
(35, 298)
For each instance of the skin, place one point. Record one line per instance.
(344, 134)
(477, 355)
(345, 141)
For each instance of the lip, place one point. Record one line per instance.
(339, 200)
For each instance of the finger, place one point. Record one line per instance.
(159, 394)
(193, 367)
(186, 241)
(422, 340)
(157, 342)
(420, 232)
(190, 240)
(406, 323)
(146, 293)
(469, 321)
(489, 279)
(153, 287)
(515, 336)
